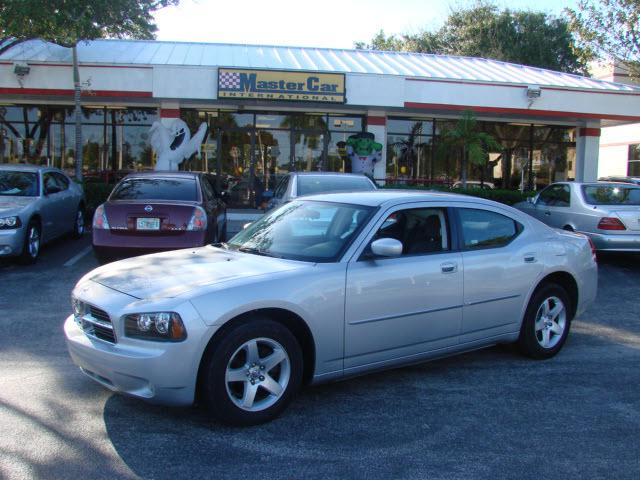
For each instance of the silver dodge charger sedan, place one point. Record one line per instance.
(37, 204)
(609, 213)
(324, 288)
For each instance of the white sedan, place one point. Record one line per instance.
(326, 287)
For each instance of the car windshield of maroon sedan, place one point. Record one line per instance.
(18, 184)
(305, 230)
(310, 184)
(164, 188)
(611, 194)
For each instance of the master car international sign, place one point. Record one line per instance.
(279, 85)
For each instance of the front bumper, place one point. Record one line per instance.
(159, 372)
(615, 243)
(11, 241)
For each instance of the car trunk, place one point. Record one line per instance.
(629, 215)
(149, 217)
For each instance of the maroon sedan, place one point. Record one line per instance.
(153, 211)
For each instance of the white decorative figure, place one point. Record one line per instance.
(174, 144)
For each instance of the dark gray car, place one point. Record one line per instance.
(609, 213)
(37, 204)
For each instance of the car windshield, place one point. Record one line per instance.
(310, 184)
(611, 194)
(166, 188)
(304, 230)
(18, 184)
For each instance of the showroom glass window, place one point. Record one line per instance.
(410, 151)
(45, 135)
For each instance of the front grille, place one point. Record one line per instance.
(99, 314)
(97, 323)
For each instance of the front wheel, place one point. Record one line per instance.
(31, 246)
(252, 373)
(546, 322)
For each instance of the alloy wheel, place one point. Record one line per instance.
(257, 374)
(550, 322)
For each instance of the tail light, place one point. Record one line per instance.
(100, 219)
(198, 220)
(611, 223)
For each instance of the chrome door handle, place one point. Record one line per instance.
(529, 259)
(449, 267)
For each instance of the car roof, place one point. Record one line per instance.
(163, 174)
(326, 174)
(374, 198)
(25, 167)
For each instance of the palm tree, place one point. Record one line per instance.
(472, 142)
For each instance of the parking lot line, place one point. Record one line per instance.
(77, 257)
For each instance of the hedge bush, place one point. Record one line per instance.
(508, 197)
(96, 194)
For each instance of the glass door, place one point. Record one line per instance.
(236, 172)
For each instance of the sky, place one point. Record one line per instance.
(319, 23)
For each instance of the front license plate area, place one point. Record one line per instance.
(148, 223)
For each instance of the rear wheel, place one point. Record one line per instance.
(252, 373)
(78, 226)
(32, 242)
(546, 323)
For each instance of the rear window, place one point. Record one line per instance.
(611, 194)
(156, 189)
(310, 184)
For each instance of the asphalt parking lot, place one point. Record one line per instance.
(487, 414)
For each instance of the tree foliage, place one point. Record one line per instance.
(609, 29)
(518, 36)
(470, 141)
(66, 22)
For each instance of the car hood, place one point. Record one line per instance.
(13, 205)
(170, 274)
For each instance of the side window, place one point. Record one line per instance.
(49, 181)
(282, 187)
(207, 190)
(555, 196)
(421, 230)
(61, 180)
(486, 229)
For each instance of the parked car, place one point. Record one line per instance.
(475, 184)
(634, 180)
(609, 213)
(298, 184)
(37, 205)
(325, 287)
(153, 211)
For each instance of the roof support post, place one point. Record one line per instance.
(377, 124)
(587, 149)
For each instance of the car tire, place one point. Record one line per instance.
(251, 373)
(546, 323)
(78, 224)
(32, 243)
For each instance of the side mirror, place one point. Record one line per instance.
(387, 247)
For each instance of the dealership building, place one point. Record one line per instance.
(270, 110)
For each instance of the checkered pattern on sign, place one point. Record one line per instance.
(229, 80)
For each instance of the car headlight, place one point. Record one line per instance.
(10, 222)
(79, 308)
(157, 326)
